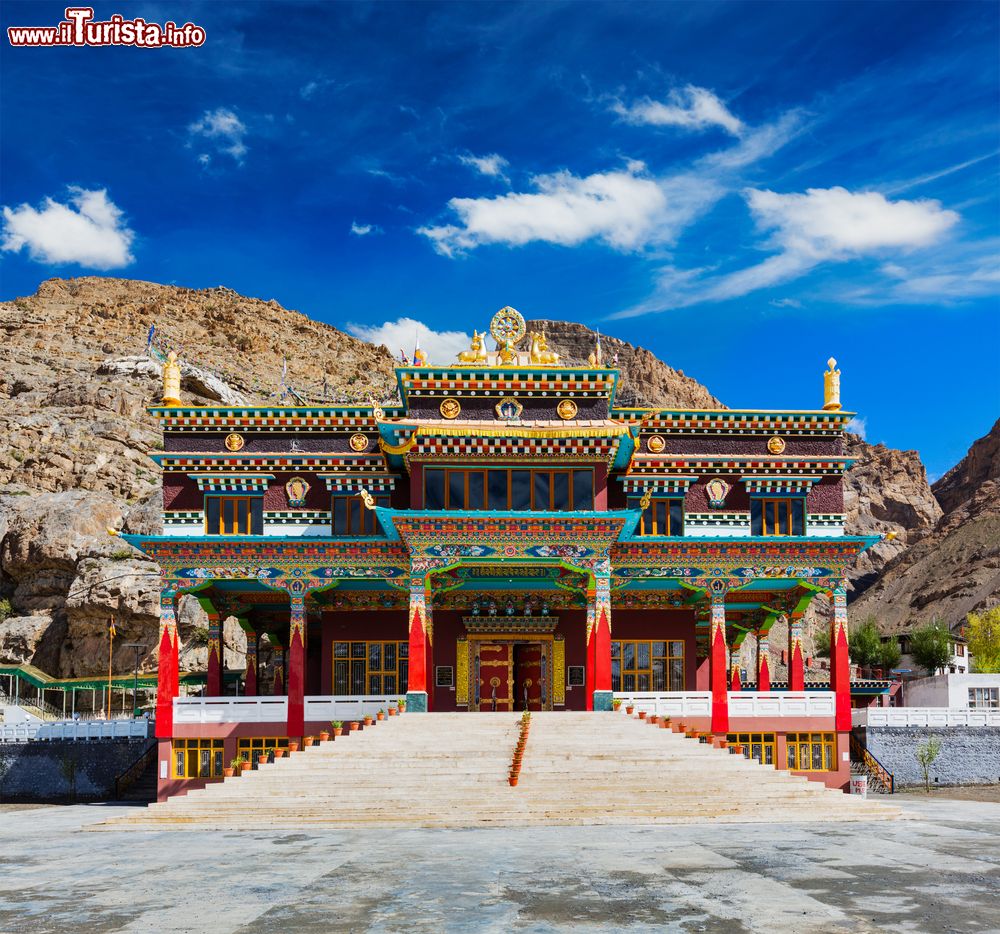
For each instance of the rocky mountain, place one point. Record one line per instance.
(954, 568)
(75, 379)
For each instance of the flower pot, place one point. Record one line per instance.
(629, 710)
(338, 731)
(279, 753)
(642, 714)
(246, 767)
(228, 773)
(392, 711)
(307, 741)
(512, 780)
(653, 719)
(721, 743)
(354, 725)
(380, 716)
(293, 745)
(368, 721)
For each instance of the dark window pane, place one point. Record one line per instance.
(404, 649)
(340, 650)
(374, 684)
(642, 655)
(628, 656)
(628, 682)
(375, 655)
(677, 516)
(497, 480)
(583, 489)
(212, 509)
(659, 674)
(358, 650)
(434, 489)
(560, 490)
(227, 516)
(354, 522)
(659, 649)
(676, 675)
(520, 489)
(541, 490)
(646, 523)
(756, 517)
(404, 671)
(340, 685)
(642, 682)
(798, 517)
(389, 684)
(476, 490)
(660, 507)
(358, 676)
(340, 515)
(456, 489)
(389, 659)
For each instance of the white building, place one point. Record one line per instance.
(971, 691)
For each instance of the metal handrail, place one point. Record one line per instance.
(132, 773)
(860, 753)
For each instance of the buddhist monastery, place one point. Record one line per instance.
(503, 537)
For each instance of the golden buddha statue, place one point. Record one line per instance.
(831, 387)
(171, 380)
(475, 354)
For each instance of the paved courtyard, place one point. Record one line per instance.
(939, 871)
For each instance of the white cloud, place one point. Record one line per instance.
(623, 208)
(691, 108)
(821, 225)
(492, 165)
(858, 426)
(222, 127)
(90, 230)
(363, 230)
(785, 303)
(401, 334)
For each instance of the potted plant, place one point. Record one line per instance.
(653, 719)
(642, 714)
(368, 719)
(629, 708)
(324, 736)
(230, 770)
(616, 704)
(401, 704)
(279, 752)
(307, 741)
(338, 728)
(665, 723)
(393, 710)
(353, 725)
(293, 746)
(239, 764)
(513, 780)
(380, 715)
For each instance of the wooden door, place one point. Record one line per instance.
(528, 676)
(495, 676)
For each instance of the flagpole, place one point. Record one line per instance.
(111, 642)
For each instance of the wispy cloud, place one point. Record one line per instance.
(90, 230)
(858, 426)
(690, 108)
(785, 303)
(363, 230)
(223, 130)
(492, 165)
(404, 333)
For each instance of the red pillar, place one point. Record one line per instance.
(417, 691)
(840, 660)
(590, 657)
(297, 666)
(278, 682)
(735, 684)
(717, 655)
(213, 681)
(250, 687)
(763, 661)
(167, 673)
(796, 658)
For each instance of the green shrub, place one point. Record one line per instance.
(6, 610)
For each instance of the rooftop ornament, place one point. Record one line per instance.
(171, 380)
(831, 387)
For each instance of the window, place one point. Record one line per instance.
(778, 516)
(234, 515)
(959, 649)
(352, 518)
(759, 746)
(984, 697)
(539, 490)
(664, 516)
(370, 667)
(197, 758)
(257, 748)
(811, 752)
(647, 666)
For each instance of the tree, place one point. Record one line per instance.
(889, 655)
(930, 646)
(926, 753)
(983, 632)
(866, 643)
(821, 642)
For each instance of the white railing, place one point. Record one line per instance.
(275, 709)
(75, 730)
(925, 716)
(773, 704)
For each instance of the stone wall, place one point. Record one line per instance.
(64, 771)
(969, 755)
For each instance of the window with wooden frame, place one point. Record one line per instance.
(647, 666)
(197, 758)
(234, 515)
(663, 516)
(776, 516)
(256, 749)
(540, 490)
(352, 519)
(811, 752)
(759, 746)
(370, 667)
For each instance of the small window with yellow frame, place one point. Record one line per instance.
(759, 746)
(257, 748)
(811, 752)
(197, 758)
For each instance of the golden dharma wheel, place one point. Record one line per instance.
(656, 444)
(234, 441)
(359, 442)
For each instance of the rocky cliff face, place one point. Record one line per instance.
(74, 385)
(953, 568)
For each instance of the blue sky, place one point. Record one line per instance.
(745, 189)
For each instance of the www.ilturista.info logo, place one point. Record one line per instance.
(79, 29)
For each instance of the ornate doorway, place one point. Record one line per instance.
(496, 676)
(502, 671)
(529, 675)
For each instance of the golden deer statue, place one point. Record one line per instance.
(475, 354)
(540, 353)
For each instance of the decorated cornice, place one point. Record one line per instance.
(812, 467)
(353, 483)
(528, 381)
(187, 462)
(234, 483)
(657, 486)
(778, 484)
(735, 421)
(267, 418)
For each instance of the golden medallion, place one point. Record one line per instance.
(359, 442)
(566, 409)
(234, 441)
(776, 445)
(450, 408)
(655, 444)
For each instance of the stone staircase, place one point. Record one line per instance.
(450, 770)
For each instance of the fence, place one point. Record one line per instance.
(926, 716)
(275, 709)
(75, 730)
(773, 704)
